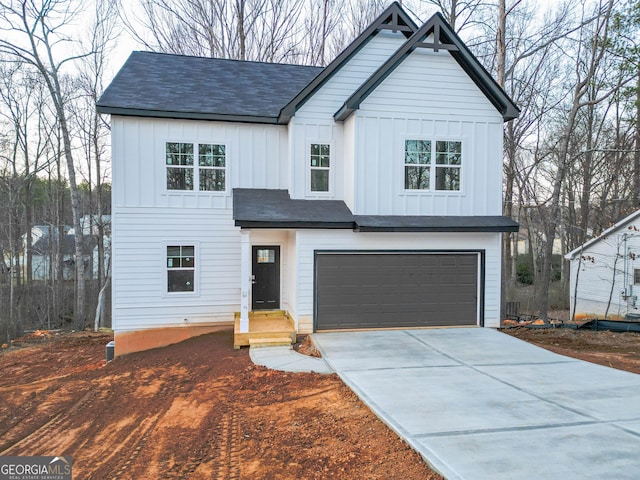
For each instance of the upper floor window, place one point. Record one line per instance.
(636, 276)
(320, 163)
(180, 268)
(421, 172)
(207, 174)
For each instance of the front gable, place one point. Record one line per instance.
(435, 35)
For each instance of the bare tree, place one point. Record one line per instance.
(34, 33)
(591, 49)
(264, 30)
(462, 13)
(93, 132)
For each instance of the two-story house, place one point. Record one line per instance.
(366, 194)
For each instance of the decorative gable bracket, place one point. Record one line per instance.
(437, 44)
(397, 23)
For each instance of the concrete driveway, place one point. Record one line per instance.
(479, 404)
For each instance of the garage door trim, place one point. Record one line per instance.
(481, 280)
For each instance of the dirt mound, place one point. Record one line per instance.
(198, 409)
(616, 350)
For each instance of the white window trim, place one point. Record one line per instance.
(196, 168)
(432, 191)
(309, 169)
(197, 267)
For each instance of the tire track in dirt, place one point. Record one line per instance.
(40, 439)
(226, 461)
(137, 439)
(220, 459)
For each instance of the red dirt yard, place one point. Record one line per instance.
(197, 409)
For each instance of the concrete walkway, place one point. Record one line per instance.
(288, 360)
(479, 404)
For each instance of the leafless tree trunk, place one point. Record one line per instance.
(36, 31)
(595, 47)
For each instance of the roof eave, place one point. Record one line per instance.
(441, 229)
(293, 224)
(135, 112)
(616, 226)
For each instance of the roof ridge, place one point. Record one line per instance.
(235, 60)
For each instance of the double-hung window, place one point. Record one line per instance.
(204, 171)
(320, 164)
(181, 268)
(432, 165)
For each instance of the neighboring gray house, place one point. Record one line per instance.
(366, 194)
(44, 248)
(605, 272)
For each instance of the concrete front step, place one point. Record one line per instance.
(270, 342)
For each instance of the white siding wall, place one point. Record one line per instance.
(256, 158)
(313, 122)
(140, 237)
(147, 218)
(326, 101)
(596, 275)
(309, 241)
(302, 135)
(427, 97)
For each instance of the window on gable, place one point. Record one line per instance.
(320, 164)
(180, 268)
(208, 174)
(422, 173)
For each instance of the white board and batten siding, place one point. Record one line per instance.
(148, 218)
(308, 241)
(314, 123)
(603, 282)
(427, 97)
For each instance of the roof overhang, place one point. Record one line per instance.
(133, 112)
(265, 208)
(615, 227)
(434, 223)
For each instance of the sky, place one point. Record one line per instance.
(125, 42)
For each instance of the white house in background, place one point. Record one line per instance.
(605, 272)
(366, 194)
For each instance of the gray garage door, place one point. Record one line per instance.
(371, 290)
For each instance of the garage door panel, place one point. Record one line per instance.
(396, 290)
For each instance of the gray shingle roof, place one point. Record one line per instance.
(178, 86)
(262, 208)
(428, 223)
